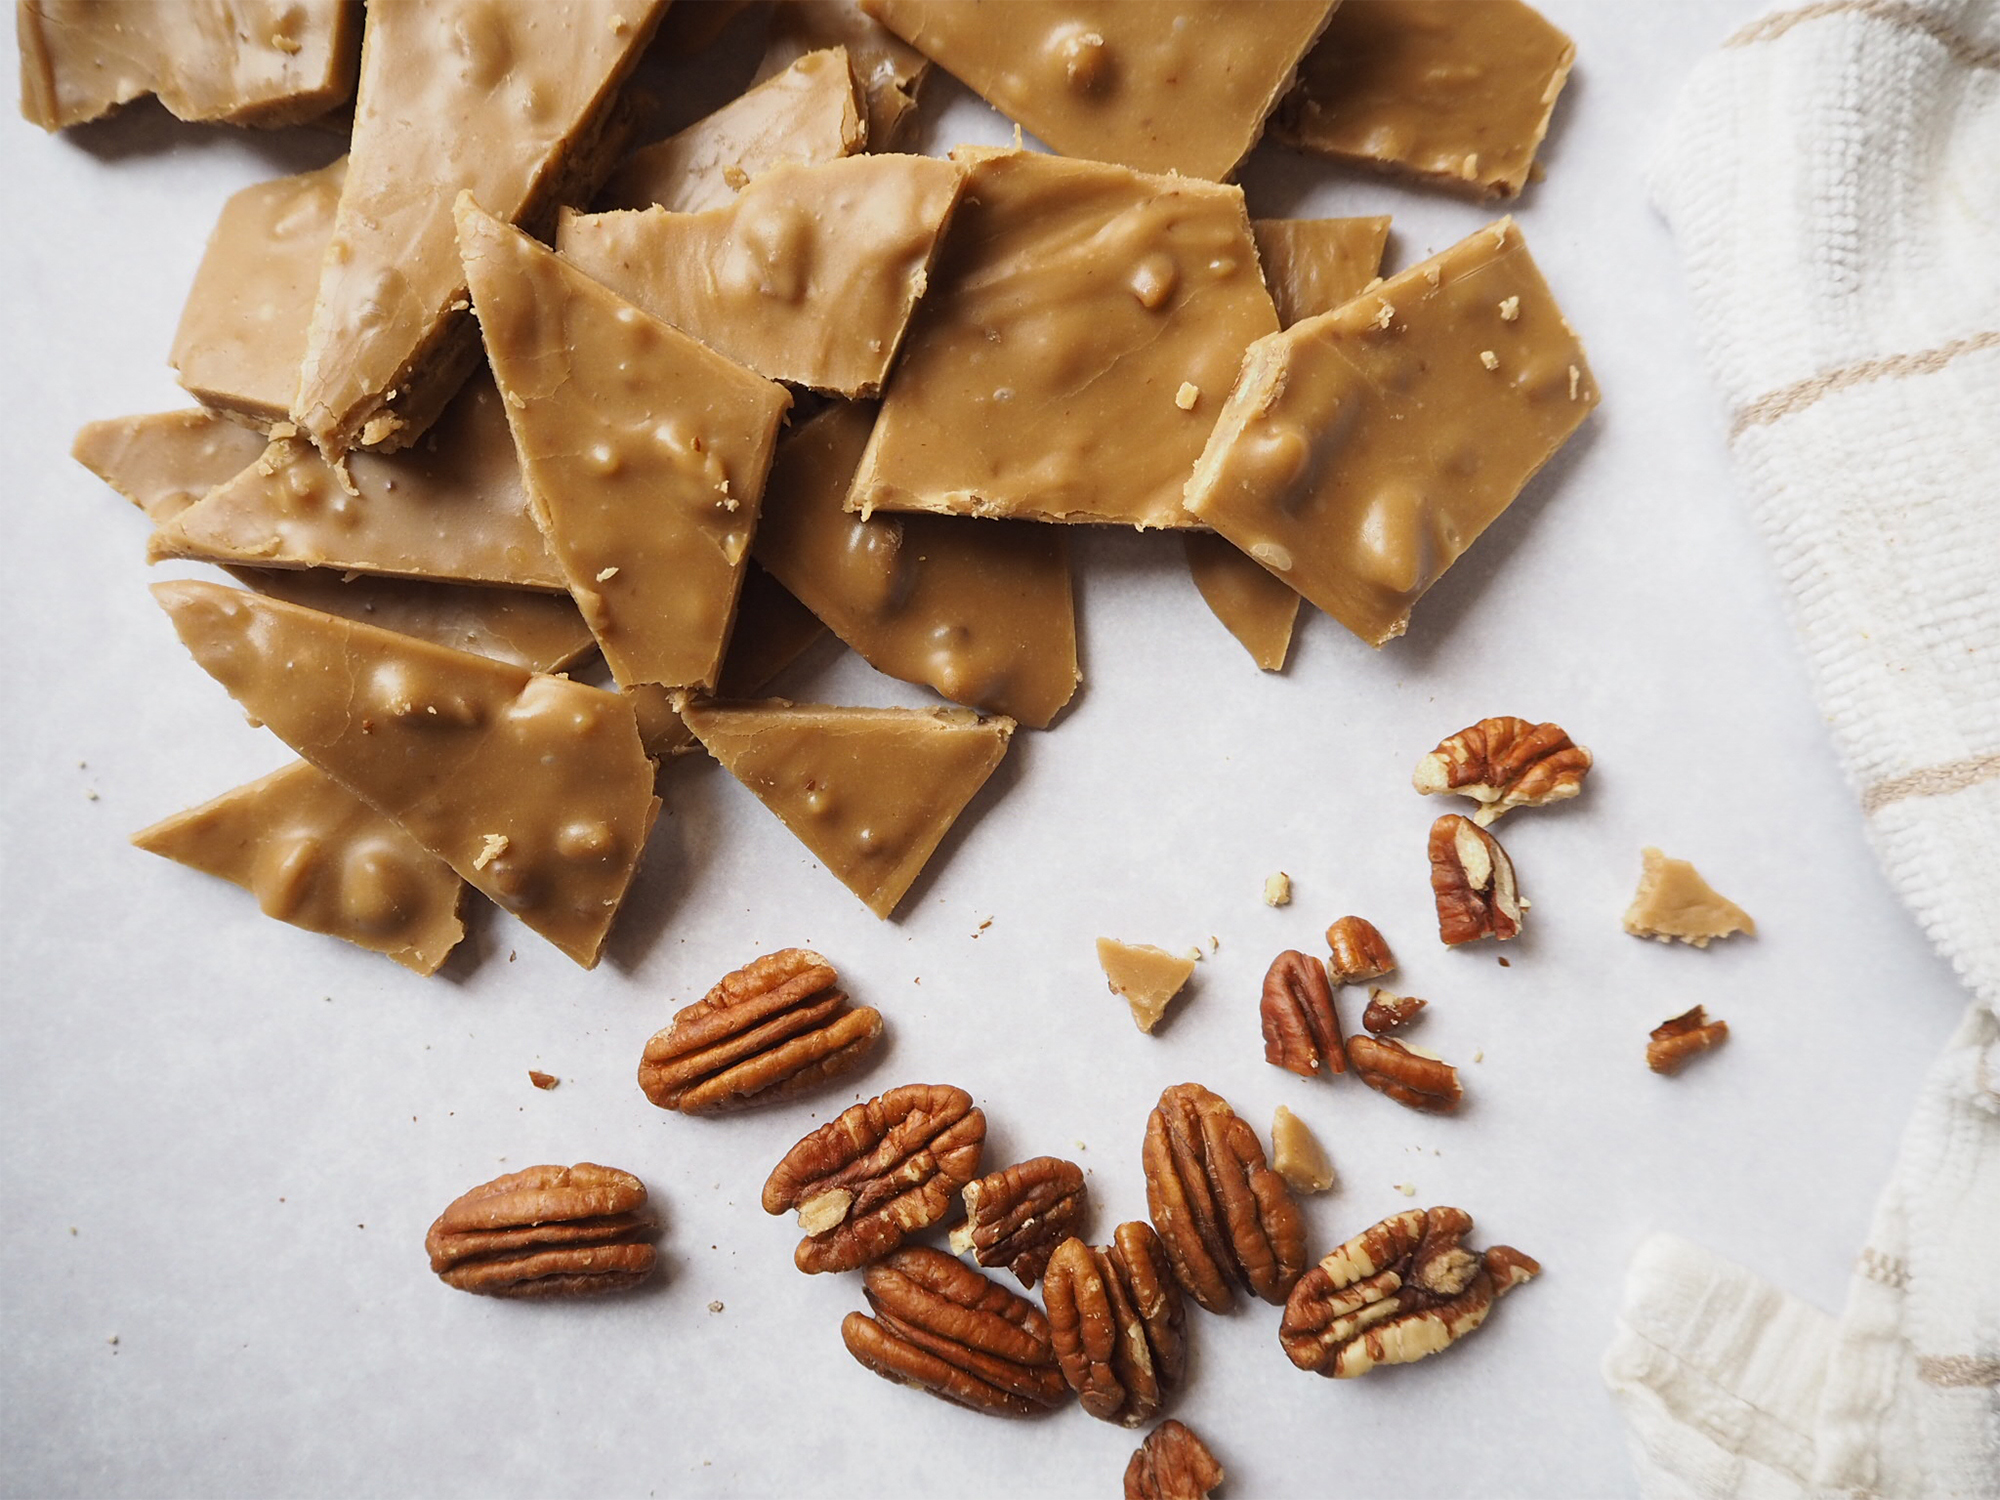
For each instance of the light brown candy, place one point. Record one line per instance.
(889, 73)
(1144, 977)
(164, 462)
(1673, 901)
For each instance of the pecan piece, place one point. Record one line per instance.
(878, 1172)
(1016, 1217)
(944, 1327)
(1406, 1075)
(1172, 1464)
(1505, 763)
(1473, 881)
(1222, 1214)
(546, 1232)
(1115, 1318)
(1359, 951)
(1677, 1042)
(1389, 1011)
(1395, 1293)
(772, 1029)
(1301, 1027)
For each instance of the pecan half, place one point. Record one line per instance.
(1405, 1075)
(772, 1029)
(1395, 1293)
(546, 1232)
(878, 1172)
(1115, 1318)
(1222, 1214)
(1301, 1027)
(1017, 1216)
(1505, 763)
(1172, 1464)
(1678, 1042)
(1359, 951)
(1388, 1010)
(944, 1327)
(1473, 881)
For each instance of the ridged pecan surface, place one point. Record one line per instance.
(546, 1232)
(1172, 1464)
(1388, 1011)
(1405, 1075)
(1017, 1216)
(1301, 1027)
(1676, 1043)
(1473, 882)
(1503, 763)
(1116, 1320)
(1359, 951)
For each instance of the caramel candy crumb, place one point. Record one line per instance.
(1186, 397)
(1278, 889)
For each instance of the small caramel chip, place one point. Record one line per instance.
(1673, 901)
(1314, 265)
(1146, 978)
(1297, 1156)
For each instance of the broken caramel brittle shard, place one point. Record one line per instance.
(163, 462)
(1256, 607)
(1163, 88)
(1144, 977)
(238, 62)
(644, 452)
(1071, 300)
(317, 856)
(980, 611)
(1454, 94)
(1673, 901)
(453, 508)
(870, 791)
(509, 99)
(888, 71)
(458, 749)
(1314, 265)
(1362, 451)
(810, 112)
(809, 275)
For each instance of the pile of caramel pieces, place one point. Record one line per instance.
(500, 393)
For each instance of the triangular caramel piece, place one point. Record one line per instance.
(1673, 901)
(890, 71)
(870, 791)
(644, 452)
(1258, 609)
(1144, 977)
(511, 100)
(317, 856)
(165, 461)
(534, 789)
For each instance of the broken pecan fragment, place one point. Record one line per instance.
(1301, 1027)
(772, 1029)
(1678, 1042)
(1017, 1216)
(1223, 1215)
(1172, 1464)
(1505, 763)
(1395, 1293)
(1473, 881)
(1359, 951)
(877, 1172)
(546, 1232)
(944, 1327)
(1387, 1010)
(1405, 1074)
(1115, 1319)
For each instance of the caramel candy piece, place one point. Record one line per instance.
(164, 462)
(888, 72)
(534, 789)
(1071, 302)
(1164, 88)
(1673, 901)
(870, 791)
(1456, 93)
(1145, 977)
(1297, 1156)
(1363, 450)
(809, 113)
(239, 62)
(452, 508)
(510, 99)
(1257, 608)
(644, 453)
(808, 276)
(980, 611)
(318, 857)
(242, 334)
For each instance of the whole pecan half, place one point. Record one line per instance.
(1395, 1293)
(1405, 1075)
(1678, 1042)
(1301, 1027)
(1172, 1464)
(943, 1326)
(876, 1173)
(1115, 1318)
(772, 1029)
(1222, 1214)
(1017, 1216)
(1505, 763)
(1360, 952)
(1388, 1011)
(1473, 881)
(546, 1232)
